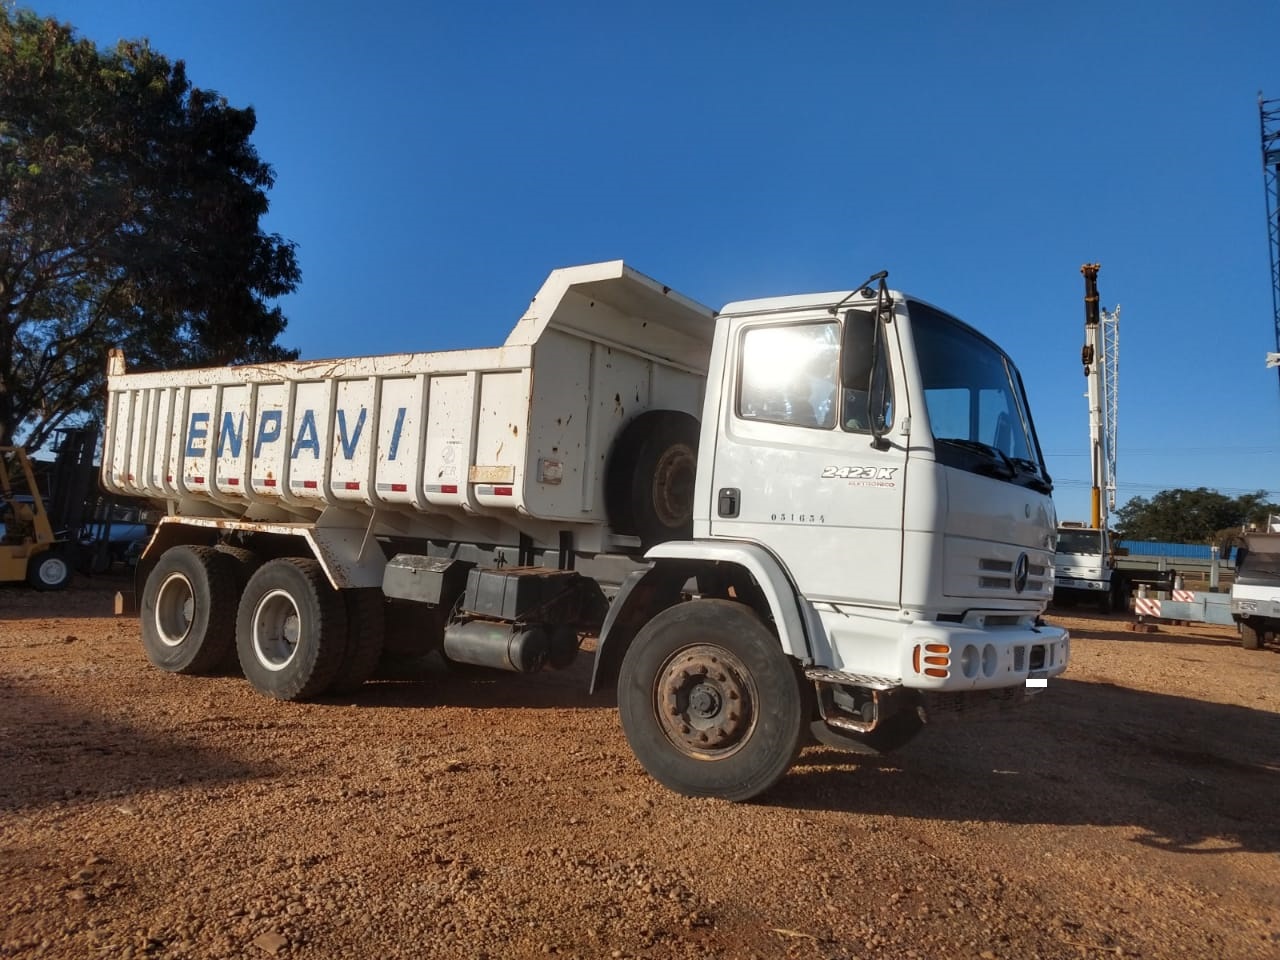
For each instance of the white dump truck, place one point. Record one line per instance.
(815, 516)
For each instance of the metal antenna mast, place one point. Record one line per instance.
(1269, 114)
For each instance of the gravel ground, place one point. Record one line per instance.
(1129, 811)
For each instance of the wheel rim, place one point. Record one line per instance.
(673, 479)
(175, 609)
(705, 702)
(277, 626)
(52, 571)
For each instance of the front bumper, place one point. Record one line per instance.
(1073, 583)
(1255, 607)
(981, 658)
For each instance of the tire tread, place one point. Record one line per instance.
(1250, 636)
(782, 712)
(366, 633)
(330, 639)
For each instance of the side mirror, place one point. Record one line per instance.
(857, 349)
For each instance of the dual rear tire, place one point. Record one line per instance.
(294, 636)
(188, 611)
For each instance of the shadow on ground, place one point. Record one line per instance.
(50, 752)
(428, 682)
(1189, 775)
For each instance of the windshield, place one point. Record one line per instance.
(977, 406)
(1087, 542)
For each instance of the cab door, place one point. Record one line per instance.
(797, 468)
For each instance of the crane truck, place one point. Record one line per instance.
(821, 516)
(1087, 566)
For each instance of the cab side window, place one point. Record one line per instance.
(788, 374)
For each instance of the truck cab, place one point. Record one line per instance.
(1255, 591)
(1086, 568)
(885, 455)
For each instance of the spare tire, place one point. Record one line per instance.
(649, 480)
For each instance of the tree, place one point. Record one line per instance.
(1191, 516)
(130, 208)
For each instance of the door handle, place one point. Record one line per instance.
(727, 502)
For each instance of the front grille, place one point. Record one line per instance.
(989, 566)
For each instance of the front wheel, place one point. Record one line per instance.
(1107, 602)
(1250, 636)
(709, 703)
(48, 571)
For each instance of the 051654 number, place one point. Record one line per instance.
(797, 518)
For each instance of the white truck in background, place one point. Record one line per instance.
(1090, 565)
(1085, 568)
(1255, 590)
(815, 516)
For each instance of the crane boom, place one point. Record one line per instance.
(1269, 113)
(1101, 359)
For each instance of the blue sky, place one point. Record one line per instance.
(434, 161)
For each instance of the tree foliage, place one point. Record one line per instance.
(130, 208)
(1191, 516)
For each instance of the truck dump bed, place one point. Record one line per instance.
(522, 427)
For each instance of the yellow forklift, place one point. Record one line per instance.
(29, 550)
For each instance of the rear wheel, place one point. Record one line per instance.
(366, 630)
(291, 630)
(188, 611)
(48, 571)
(710, 704)
(243, 562)
(1250, 635)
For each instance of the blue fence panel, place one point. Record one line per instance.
(1189, 551)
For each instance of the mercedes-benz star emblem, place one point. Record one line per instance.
(1020, 571)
